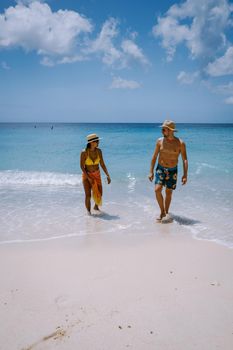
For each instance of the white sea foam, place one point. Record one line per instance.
(132, 182)
(202, 166)
(34, 178)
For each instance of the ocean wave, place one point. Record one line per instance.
(204, 166)
(200, 167)
(34, 178)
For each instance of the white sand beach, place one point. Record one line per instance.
(104, 292)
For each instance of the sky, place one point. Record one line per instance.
(116, 61)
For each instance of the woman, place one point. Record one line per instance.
(90, 159)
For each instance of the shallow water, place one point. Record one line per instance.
(41, 192)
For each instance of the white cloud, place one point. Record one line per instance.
(199, 24)
(36, 27)
(187, 78)
(111, 54)
(47, 61)
(119, 83)
(132, 50)
(4, 65)
(27, 2)
(226, 88)
(229, 100)
(172, 34)
(222, 65)
(51, 62)
(63, 36)
(72, 59)
(103, 44)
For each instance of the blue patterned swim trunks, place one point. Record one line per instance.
(166, 177)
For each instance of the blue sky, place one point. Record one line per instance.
(116, 61)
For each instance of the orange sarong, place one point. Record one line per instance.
(96, 194)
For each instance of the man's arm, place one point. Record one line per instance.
(185, 163)
(153, 160)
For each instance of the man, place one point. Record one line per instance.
(167, 149)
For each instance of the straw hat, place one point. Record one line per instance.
(92, 138)
(169, 124)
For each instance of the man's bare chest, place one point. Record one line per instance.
(170, 147)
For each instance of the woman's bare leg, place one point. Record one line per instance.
(96, 207)
(87, 189)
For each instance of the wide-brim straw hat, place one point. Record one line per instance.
(169, 124)
(92, 138)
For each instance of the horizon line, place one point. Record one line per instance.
(61, 122)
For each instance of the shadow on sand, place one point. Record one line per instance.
(182, 220)
(104, 216)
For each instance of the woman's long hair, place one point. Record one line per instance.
(88, 146)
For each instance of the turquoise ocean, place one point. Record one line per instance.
(41, 193)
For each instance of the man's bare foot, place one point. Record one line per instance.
(167, 219)
(88, 213)
(160, 217)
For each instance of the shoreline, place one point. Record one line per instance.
(175, 229)
(167, 291)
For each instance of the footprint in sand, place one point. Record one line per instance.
(63, 301)
(58, 334)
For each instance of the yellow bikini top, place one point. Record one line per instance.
(89, 161)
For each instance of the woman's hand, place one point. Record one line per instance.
(108, 179)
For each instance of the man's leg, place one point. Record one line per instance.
(168, 199)
(159, 197)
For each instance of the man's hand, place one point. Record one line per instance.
(184, 180)
(151, 177)
(108, 179)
